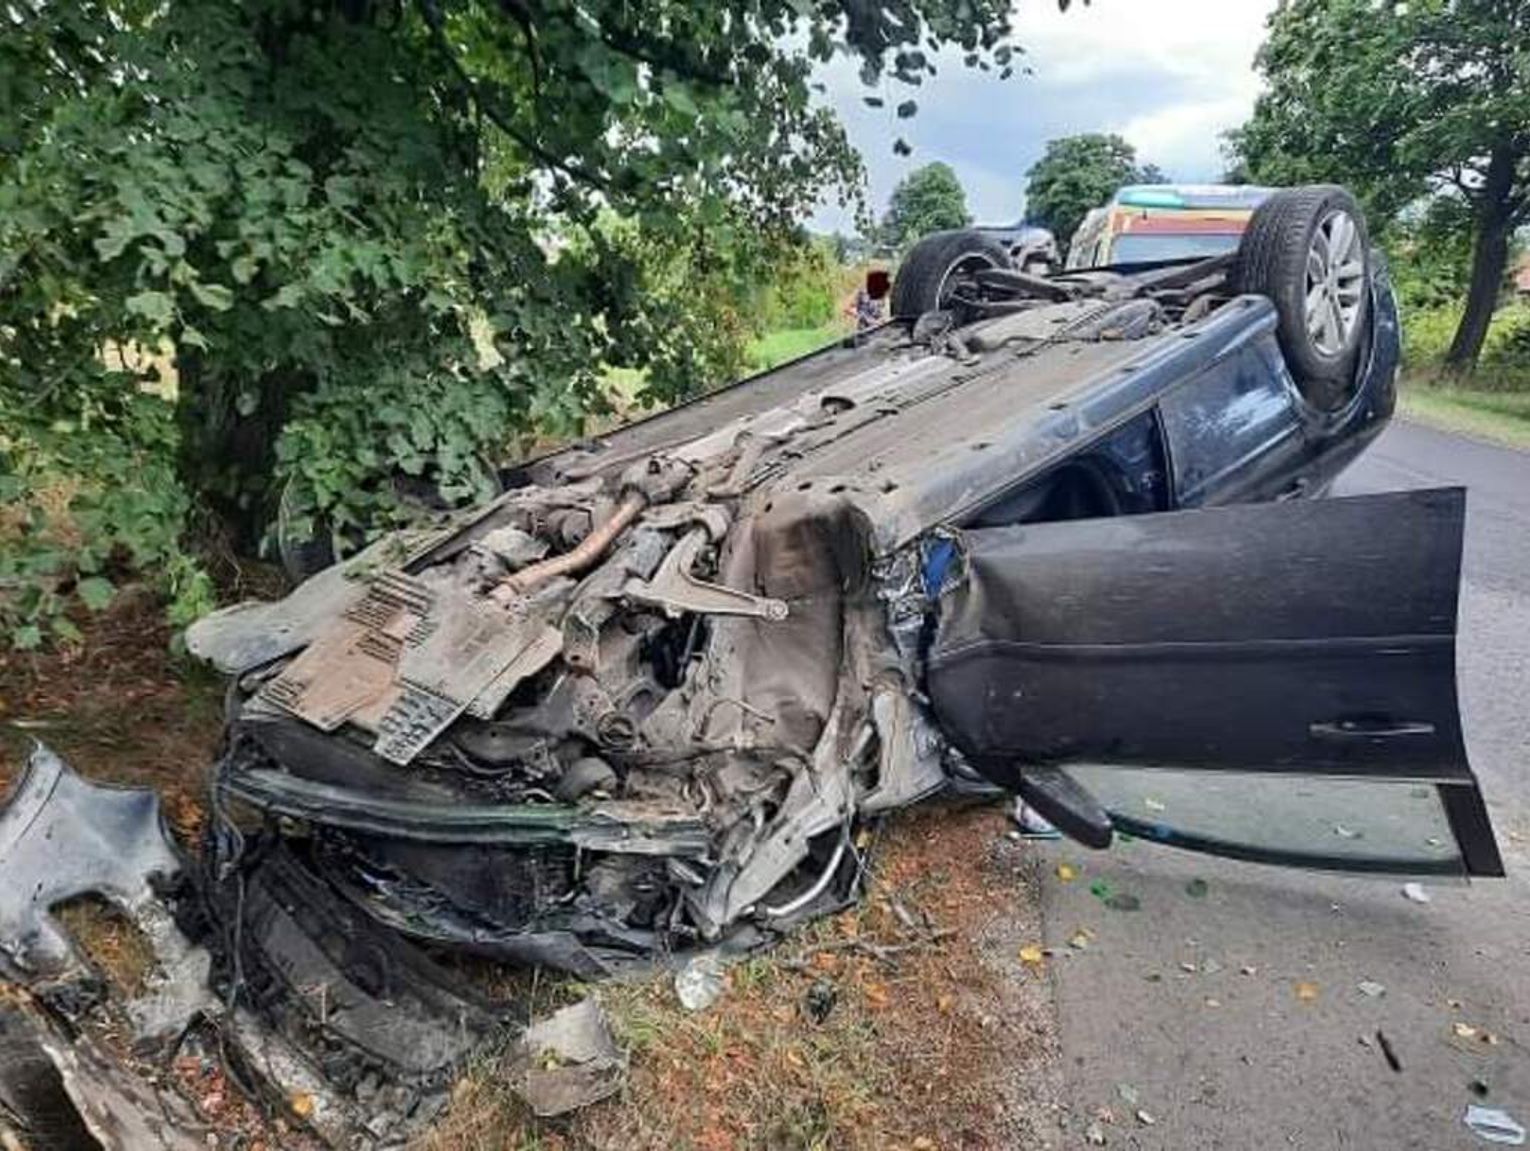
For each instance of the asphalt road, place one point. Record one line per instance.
(1191, 1007)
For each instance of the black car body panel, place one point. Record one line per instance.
(1321, 641)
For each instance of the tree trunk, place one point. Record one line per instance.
(227, 459)
(1490, 256)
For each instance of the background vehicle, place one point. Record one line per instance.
(1147, 222)
(1031, 248)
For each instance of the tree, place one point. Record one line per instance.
(928, 199)
(301, 248)
(1077, 173)
(1404, 102)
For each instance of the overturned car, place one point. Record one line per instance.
(1053, 536)
(638, 703)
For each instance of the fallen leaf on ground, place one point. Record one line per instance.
(1032, 954)
(1067, 872)
(1079, 940)
(1306, 992)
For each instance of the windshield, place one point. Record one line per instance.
(1144, 247)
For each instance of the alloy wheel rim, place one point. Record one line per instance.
(1334, 282)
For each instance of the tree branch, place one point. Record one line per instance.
(431, 11)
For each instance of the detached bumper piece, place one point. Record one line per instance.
(338, 1022)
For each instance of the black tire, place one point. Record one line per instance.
(926, 269)
(302, 554)
(1273, 262)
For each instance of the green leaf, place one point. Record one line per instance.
(214, 296)
(244, 269)
(156, 307)
(26, 637)
(95, 592)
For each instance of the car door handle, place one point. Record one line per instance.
(1355, 730)
(1295, 490)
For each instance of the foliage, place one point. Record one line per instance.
(1430, 254)
(1077, 173)
(375, 239)
(928, 199)
(804, 290)
(1404, 102)
(782, 345)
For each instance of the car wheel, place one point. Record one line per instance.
(932, 266)
(303, 554)
(1306, 249)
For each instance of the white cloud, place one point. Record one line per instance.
(1169, 75)
(1211, 42)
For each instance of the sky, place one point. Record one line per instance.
(1169, 75)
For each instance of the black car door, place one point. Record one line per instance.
(1273, 682)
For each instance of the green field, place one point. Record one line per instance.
(786, 344)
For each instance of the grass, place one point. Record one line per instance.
(778, 347)
(1493, 401)
(1497, 416)
(935, 1036)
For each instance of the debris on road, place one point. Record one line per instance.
(1371, 989)
(1115, 900)
(1067, 872)
(1494, 1125)
(1306, 992)
(1415, 892)
(1080, 939)
(1032, 956)
(700, 982)
(1475, 1034)
(567, 1061)
(1388, 1052)
(1197, 888)
(821, 998)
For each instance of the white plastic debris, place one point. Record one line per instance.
(1415, 892)
(1494, 1125)
(567, 1061)
(1371, 988)
(700, 982)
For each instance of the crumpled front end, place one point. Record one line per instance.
(627, 710)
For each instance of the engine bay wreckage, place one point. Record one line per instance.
(640, 705)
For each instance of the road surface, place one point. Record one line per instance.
(1191, 1006)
